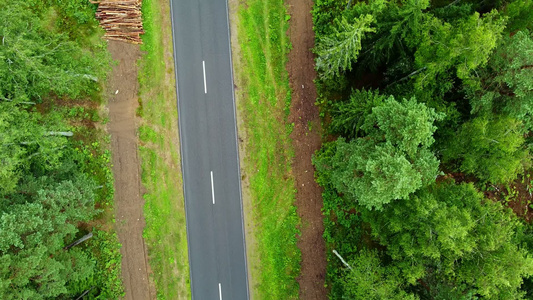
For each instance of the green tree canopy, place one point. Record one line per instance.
(491, 149)
(519, 14)
(36, 61)
(506, 85)
(391, 162)
(338, 51)
(370, 280)
(407, 125)
(463, 46)
(449, 231)
(437, 239)
(33, 231)
(399, 28)
(24, 138)
(47, 183)
(348, 117)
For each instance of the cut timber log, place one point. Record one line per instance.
(122, 20)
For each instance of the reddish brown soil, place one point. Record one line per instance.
(306, 140)
(126, 169)
(518, 197)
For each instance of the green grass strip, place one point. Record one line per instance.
(165, 232)
(265, 99)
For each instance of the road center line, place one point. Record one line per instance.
(205, 82)
(220, 291)
(212, 188)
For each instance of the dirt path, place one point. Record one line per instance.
(306, 140)
(128, 194)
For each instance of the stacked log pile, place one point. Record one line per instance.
(121, 20)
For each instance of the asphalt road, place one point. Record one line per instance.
(210, 162)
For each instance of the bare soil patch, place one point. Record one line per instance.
(517, 195)
(128, 189)
(306, 138)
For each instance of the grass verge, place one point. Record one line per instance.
(165, 232)
(263, 105)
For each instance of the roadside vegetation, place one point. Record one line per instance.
(427, 170)
(165, 232)
(263, 104)
(55, 179)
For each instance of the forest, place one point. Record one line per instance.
(427, 157)
(55, 182)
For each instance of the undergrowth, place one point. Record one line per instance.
(91, 145)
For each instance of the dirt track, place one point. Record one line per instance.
(306, 140)
(128, 189)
